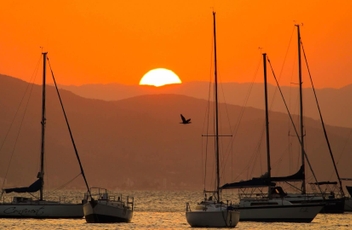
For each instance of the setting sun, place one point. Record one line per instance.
(159, 77)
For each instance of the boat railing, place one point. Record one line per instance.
(69, 199)
(330, 190)
(130, 202)
(33, 199)
(102, 194)
(188, 207)
(13, 199)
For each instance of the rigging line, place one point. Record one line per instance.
(70, 181)
(242, 111)
(321, 119)
(294, 127)
(16, 139)
(282, 67)
(292, 105)
(243, 106)
(271, 105)
(69, 128)
(206, 120)
(207, 114)
(225, 157)
(344, 146)
(29, 88)
(224, 160)
(230, 145)
(259, 144)
(286, 54)
(258, 151)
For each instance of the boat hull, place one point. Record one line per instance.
(332, 205)
(348, 204)
(280, 213)
(106, 212)
(224, 218)
(41, 210)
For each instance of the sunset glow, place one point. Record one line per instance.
(101, 42)
(159, 77)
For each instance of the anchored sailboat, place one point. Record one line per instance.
(270, 206)
(104, 208)
(24, 207)
(333, 200)
(212, 212)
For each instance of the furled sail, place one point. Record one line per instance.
(255, 182)
(298, 176)
(32, 188)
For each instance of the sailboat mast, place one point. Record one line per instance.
(267, 123)
(216, 113)
(41, 173)
(303, 186)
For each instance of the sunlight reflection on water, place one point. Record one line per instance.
(165, 210)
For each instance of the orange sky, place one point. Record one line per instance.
(119, 41)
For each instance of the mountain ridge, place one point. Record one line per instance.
(139, 143)
(336, 109)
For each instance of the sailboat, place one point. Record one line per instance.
(26, 207)
(270, 206)
(334, 200)
(100, 207)
(212, 212)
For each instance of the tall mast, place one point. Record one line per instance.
(303, 186)
(267, 124)
(216, 114)
(41, 173)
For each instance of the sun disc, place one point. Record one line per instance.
(159, 77)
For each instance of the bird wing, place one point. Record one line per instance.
(183, 118)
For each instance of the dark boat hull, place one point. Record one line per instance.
(97, 218)
(41, 210)
(335, 205)
(300, 213)
(106, 212)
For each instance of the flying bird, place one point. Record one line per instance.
(184, 120)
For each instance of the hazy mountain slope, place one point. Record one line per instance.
(334, 103)
(139, 143)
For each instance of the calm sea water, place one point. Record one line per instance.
(166, 210)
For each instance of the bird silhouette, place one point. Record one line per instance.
(184, 120)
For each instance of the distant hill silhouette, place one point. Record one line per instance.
(337, 110)
(138, 142)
